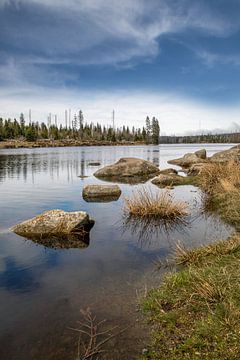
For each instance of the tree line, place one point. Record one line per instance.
(79, 130)
(203, 138)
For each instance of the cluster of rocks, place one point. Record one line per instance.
(193, 164)
(57, 227)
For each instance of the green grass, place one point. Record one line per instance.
(195, 313)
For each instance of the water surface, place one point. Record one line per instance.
(42, 290)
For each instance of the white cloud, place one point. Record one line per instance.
(176, 115)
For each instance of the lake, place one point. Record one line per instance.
(42, 290)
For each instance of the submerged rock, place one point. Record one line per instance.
(227, 155)
(55, 223)
(128, 170)
(101, 193)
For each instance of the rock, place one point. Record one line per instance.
(128, 168)
(164, 180)
(94, 164)
(201, 154)
(168, 171)
(101, 193)
(227, 155)
(187, 160)
(55, 223)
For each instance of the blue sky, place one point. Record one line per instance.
(178, 60)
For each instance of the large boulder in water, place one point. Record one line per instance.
(55, 223)
(101, 193)
(125, 169)
(227, 155)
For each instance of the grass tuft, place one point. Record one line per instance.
(146, 204)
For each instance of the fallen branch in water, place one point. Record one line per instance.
(91, 339)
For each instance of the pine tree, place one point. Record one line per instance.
(148, 130)
(155, 131)
(1, 129)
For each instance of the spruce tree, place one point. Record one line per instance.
(155, 131)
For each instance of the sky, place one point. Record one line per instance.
(177, 60)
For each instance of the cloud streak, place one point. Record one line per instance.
(98, 31)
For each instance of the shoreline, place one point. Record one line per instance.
(23, 144)
(46, 143)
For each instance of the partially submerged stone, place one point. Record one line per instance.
(101, 193)
(128, 170)
(170, 180)
(55, 223)
(164, 180)
(168, 171)
(189, 159)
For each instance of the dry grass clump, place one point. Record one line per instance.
(160, 205)
(218, 178)
(221, 184)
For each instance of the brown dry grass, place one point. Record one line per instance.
(221, 184)
(219, 178)
(146, 204)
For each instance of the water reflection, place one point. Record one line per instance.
(134, 180)
(148, 229)
(101, 199)
(62, 242)
(17, 278)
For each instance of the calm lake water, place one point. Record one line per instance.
(42, 290)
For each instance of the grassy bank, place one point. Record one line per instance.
(195, 314)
